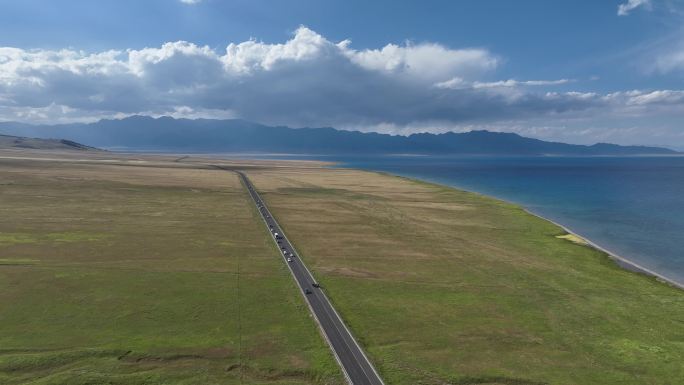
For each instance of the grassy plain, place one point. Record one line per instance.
(144, 271)
(138, 272)
(447, 287)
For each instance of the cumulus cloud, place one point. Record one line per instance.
(252, 56)
(424, 61)
(625, 8)
(307, 80)
(297, 82)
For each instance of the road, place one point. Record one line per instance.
(357, 368)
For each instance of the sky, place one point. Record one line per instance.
(581, 71)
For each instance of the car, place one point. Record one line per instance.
(307, 291)
(289, 259)
(279, 241)
(284, 252)
(316, 284)
(282, 248)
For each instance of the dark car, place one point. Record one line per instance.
(307, 291)
(316, 284)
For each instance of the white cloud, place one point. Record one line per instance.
(660, 97)
(251, 55)
(191, 2)
(307, 80)
(516, 83)
(459, 83)
(428, 61)
(625, 8)
(672, 60)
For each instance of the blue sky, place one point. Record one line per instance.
(578, 71)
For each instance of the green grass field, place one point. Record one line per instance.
(447, 287)
(164, 274)
(145, 275)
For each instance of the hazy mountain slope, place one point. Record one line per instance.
(8, 141)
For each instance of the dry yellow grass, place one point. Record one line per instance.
(573, 238)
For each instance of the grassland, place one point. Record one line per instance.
(447, 287)
(158, 274)
(143, 271)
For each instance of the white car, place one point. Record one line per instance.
(289, 259)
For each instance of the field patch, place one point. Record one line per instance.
(442, 286)
(8, 239)
(145, 275)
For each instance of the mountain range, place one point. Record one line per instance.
(142, 133)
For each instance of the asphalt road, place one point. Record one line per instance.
(355, 365)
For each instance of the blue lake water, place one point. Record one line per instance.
(632, 206)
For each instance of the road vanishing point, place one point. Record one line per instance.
(356, 366)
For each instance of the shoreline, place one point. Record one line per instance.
(622, 262)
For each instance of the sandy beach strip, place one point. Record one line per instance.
(620, 260)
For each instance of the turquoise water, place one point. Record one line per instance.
(632, 206)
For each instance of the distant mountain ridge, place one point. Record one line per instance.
(144, 133)
(20, 142)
